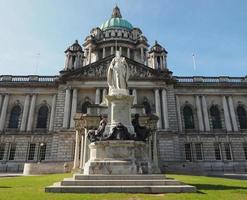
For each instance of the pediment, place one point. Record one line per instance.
(98, 71)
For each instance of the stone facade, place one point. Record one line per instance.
(217, 140)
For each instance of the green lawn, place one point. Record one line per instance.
(32, 188)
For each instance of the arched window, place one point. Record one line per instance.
(42, 117)
(215, 116)
(188, 118)
(85, 106)
(242, 117)
(14, 117)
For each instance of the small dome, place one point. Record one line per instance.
(116, 21)
(74, 47)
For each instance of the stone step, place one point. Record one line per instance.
(72, 182)
(122, 189)
(119, 177)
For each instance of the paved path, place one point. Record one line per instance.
(230, 175)
(2, 175)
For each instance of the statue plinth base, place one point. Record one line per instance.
(113, 92)
(119, 110)
(118, 157)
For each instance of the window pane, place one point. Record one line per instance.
(188, 118)
(188, 154)
(215, 116)
(42, 151)
(198, 148)
(245, 150)
(42, 117)
(31, 151)
(14, 117)
(242, 117)
(217, 151)
(2, 149)
(12, 151)
(228, 151)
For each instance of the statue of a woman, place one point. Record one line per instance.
(118, 73)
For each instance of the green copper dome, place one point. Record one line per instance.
(116, 21)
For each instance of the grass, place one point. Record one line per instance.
(32, 188)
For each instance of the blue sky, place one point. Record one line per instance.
(35, 33)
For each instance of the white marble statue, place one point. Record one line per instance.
(118, 73)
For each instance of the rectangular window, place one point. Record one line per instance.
(188, 152)
(199, 154)
(42, 151)
(2, 150)
(245, 150)
(31, 151)
(12, 151)
(217, 151)
(228, 151)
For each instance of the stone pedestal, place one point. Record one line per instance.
(119, 111)
(118, 157)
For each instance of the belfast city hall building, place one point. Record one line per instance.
(201, 122)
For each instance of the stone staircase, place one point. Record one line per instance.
(151, 184)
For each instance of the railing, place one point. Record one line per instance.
(30, 78)
(202, 79)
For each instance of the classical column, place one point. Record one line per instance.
(82, 151)
(112, 50)
(226, 114)
(157, 108)
(205, 113)
(76, 62)
(162, 62)
(31, 113)
(104, 94)
(165, 109)
(103, 54)
(90, 55)
(25, 113)
(233, 115)
(53, 108)
(155, 152)
(165, 62)
(86, 149)
(149, 147)
(1, 100)
(120, 50)
(97, 96)
(179, 114)
(67, 108)
(77, 149)
(70, 62)
(199, 113)
(128, 52)
(4, 112)
(142, 55)
(154, 63)
(73, 107)
(134, 93)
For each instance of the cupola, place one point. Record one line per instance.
(74, 56)
(157, 57)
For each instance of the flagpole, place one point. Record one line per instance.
(194, 61)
